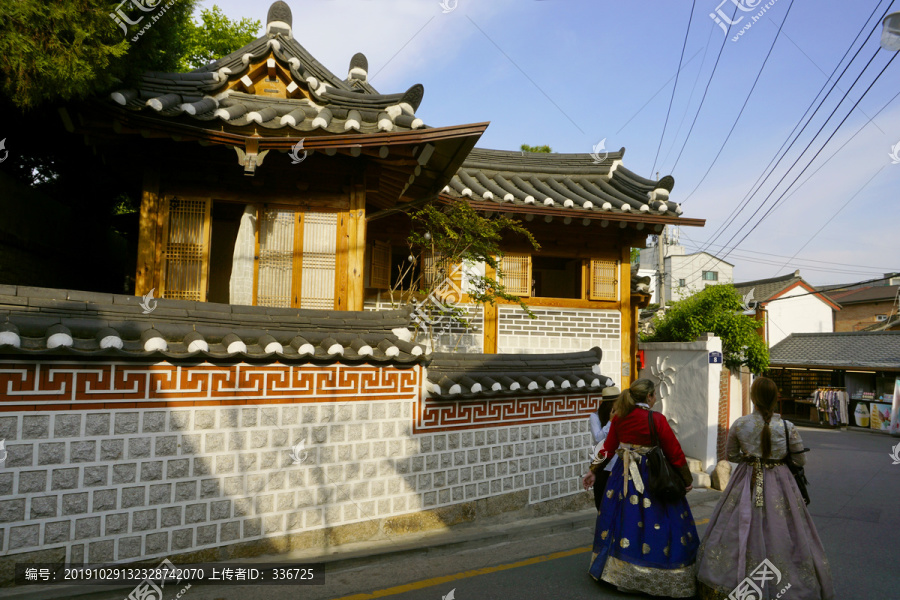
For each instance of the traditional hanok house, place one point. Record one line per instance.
(254, 406)
(586, 214)
(289, 234)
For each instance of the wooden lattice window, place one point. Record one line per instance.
(276, 257)
(380, 266)
(319, 248)
(516, 269)
(604, 284)
(186, 235)
(435, 268)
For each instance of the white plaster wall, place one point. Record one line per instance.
(690, 268)
(689, 397)
(736, 408)
(802, 313)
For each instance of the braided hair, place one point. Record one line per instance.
(764, 395)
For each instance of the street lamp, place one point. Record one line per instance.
(890, 34)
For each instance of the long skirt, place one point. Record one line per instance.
(763, 550)
(642, 543)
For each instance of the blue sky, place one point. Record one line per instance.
(570, 73)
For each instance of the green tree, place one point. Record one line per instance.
(544, 149)
(74, 49)
(216, 36)
(457, 235)
(716, 309)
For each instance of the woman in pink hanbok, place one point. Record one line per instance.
(761, 540)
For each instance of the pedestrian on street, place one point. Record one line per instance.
(600, 423)
(641, 543)
(761, 520)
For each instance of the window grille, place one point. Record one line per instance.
(276, 257)
(516, 270)
(604, 280)
(187, 249)
(319, 248)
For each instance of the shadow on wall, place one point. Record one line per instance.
(207, 483)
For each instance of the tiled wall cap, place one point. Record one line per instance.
(331, 346)
(195, 342)
(270, 345)
(59, 336)
(302, 346)
(152, 341)
(109, 338)
(9, 335)
(233, 344)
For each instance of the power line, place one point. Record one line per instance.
(746, 100)
(697, 245)
(764, 176)
(675, 87)
(691, 97)
(865, 185)
(705, 91)
(779, 200)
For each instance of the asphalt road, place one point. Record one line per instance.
(854, 488)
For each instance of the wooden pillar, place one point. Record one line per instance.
(627, 374)
(342, 262)
(148, 263)
(491, 320)
(356, 252)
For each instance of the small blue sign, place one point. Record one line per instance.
(715, 358)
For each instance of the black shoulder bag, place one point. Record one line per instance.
(665, 482)
(796, 470)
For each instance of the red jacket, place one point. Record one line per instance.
(635, 429)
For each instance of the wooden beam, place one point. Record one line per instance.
(491, 319)
(308, 199)
(147, 266)
(342, 261)
(297, 273)
(627, 374)
(357, 248)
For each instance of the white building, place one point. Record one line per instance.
(685, 274)
(787, 305)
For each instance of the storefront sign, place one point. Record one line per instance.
(880, 416)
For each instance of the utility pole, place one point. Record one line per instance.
(661, 267)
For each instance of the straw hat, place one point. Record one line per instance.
(610, 393)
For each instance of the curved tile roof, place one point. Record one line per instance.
(333, 105)
(846, 349)
(37, 322)
(454, 376)
(570, 181)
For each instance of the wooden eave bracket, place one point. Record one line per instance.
(250, 157)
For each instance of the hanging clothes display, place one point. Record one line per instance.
(834, 402)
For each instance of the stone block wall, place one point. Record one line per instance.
(112, 462)
(563, 330)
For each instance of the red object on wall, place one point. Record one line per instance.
(640, 359)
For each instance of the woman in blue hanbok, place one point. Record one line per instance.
(641, 543)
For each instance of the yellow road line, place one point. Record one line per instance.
(418, 585)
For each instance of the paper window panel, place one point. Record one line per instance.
(380, 268)
(187, 249)
(604, 280)
(276, 257)
(516, 270)
(319, 248)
